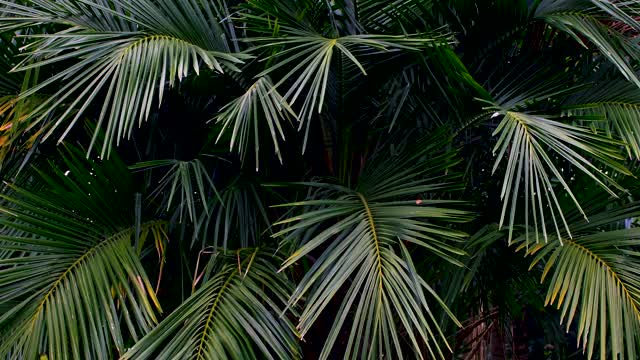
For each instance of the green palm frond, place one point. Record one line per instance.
(9, 82)
(416, 118)
(14, 140)
(477, 248)
(613, 107)
(307, 59)
(532, 83)
(365, 253)
(626, 12)
(582, 19)
(303, 15)
(397, 14)
(594, 279)
(245, 113)
(188, 182)
(531, 142)
(238, 219)
(127, 64)
(234, 315)
(75, 283)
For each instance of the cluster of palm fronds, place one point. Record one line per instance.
(319, 179)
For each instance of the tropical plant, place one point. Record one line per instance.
(285, 179)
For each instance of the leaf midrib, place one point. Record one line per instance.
(75, 264)
(145, 38)
(376, 241)
(610, 270)
(211, 314)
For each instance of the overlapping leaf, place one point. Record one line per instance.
(9, 82)
(612, 107)
(383, 15)
(14, 140)
(234, 315)
(237, 219)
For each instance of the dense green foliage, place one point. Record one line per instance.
(319, 179)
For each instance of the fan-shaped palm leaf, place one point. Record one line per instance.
(367, 228)
(233, 314)
(75, 277)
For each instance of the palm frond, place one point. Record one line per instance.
(594, 280)
(14, 140)
(581, 19)
(235, 220)
(245, 113)
(380, 16)
(611, 107)
(459, 281)
(625, 12)
(9, 82)
(126, 66)
(233, 315)
(308, 58)
(188, 182)
(531, 83)
(304, 15)
(532, 142)
(365, 254)
(75, 282)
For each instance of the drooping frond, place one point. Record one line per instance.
(307, 60)
(365, 254)
(584, 20)
(238, 219)
(612, 107)
(531, 142)
(125, 59)
(260, 103)
(234, 315)
(188, 182)
(594, 279)
(75, 283)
